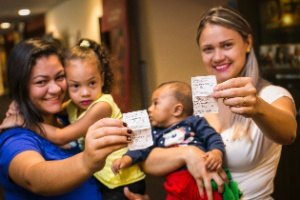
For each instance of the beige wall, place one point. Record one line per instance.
(167, 34)
(73, 19)
(168, 31)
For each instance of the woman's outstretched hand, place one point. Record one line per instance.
(239, 94)
(104, 137)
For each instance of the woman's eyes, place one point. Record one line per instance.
(40, 82)
(61, 77)
(44, 81)
(227, 45)
(207, 49)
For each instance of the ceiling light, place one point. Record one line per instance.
(24, 12)
(287, 19)
(5, 25)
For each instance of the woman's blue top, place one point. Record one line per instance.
(17, 140)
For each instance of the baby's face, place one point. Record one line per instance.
(84, 82)
(162, 108)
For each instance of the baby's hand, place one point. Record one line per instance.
(121, 163)
(213, 160)
(115, 167)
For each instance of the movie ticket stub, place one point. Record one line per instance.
(203, 102)
(138, 122)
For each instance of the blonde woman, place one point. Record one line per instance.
(255, 118)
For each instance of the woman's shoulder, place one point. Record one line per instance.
(17, 140)
(18, 135)
(14, 141)
(15, 131)
(271, 92)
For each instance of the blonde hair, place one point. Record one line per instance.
(231, 19)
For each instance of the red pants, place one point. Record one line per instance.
(180, 185)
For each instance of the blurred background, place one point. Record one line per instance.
(153, 41)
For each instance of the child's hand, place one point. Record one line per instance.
(121, 163)
(13, 109)
(213, 160)
(11, 121)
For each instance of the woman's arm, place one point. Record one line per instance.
(169, 159)
(162, 161)
(276, 120)
(61, 136)
(31, 171)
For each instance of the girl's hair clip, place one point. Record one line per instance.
(85, 44)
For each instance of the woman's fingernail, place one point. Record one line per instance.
(129, 131)
(124, 124)
(129, 138)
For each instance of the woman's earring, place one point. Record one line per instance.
(248, 50)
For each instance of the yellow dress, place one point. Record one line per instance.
(106, 176)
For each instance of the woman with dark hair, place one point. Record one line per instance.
(31, 166)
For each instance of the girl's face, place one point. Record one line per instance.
(223, 51)
(84, 82)
(47, 85)
(162, 108)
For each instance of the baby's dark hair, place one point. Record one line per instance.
(85, 49)
(183, 93)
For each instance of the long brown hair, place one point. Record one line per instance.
(21, 60)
